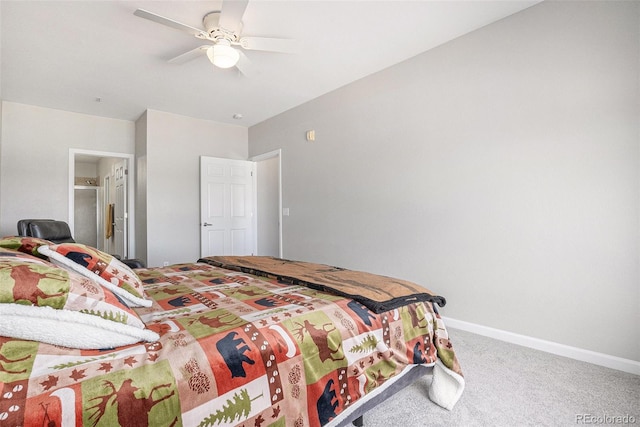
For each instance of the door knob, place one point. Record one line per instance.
(206, 224)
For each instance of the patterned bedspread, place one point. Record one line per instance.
(378, 293)
(234, 349)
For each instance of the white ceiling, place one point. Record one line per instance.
(96, 57)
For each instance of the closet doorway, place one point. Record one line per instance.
(268, 221)
(101, 200)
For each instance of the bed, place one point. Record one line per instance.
(252, 341)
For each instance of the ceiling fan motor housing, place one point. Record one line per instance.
(211, 24)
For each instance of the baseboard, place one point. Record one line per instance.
(613, 362)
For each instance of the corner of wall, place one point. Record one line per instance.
(1, 120)
(141, 186)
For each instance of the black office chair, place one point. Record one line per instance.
(23, 226)
(48, 229)
(59, 232)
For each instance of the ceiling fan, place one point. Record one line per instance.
(223, 31)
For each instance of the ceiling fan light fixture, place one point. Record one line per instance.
(222, 55)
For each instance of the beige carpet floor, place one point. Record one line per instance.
(510, 385)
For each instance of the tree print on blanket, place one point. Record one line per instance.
(367, 345)
(239, 408)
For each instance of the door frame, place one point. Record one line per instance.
(130, 194)
(260, 157)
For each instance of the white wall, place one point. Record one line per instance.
(499, 170)
(34, 158)
(174, 145)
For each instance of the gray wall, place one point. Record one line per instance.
(34, 170)
(173, 147)
(1, 133)
(500, 170)
(34, 158)
(141, 187)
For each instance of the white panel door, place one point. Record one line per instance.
(120, 211)
(226, 207)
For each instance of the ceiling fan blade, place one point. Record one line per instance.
(244, 65)
(231, 15)
(168, 22)
(190, 55)
(270, 44)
